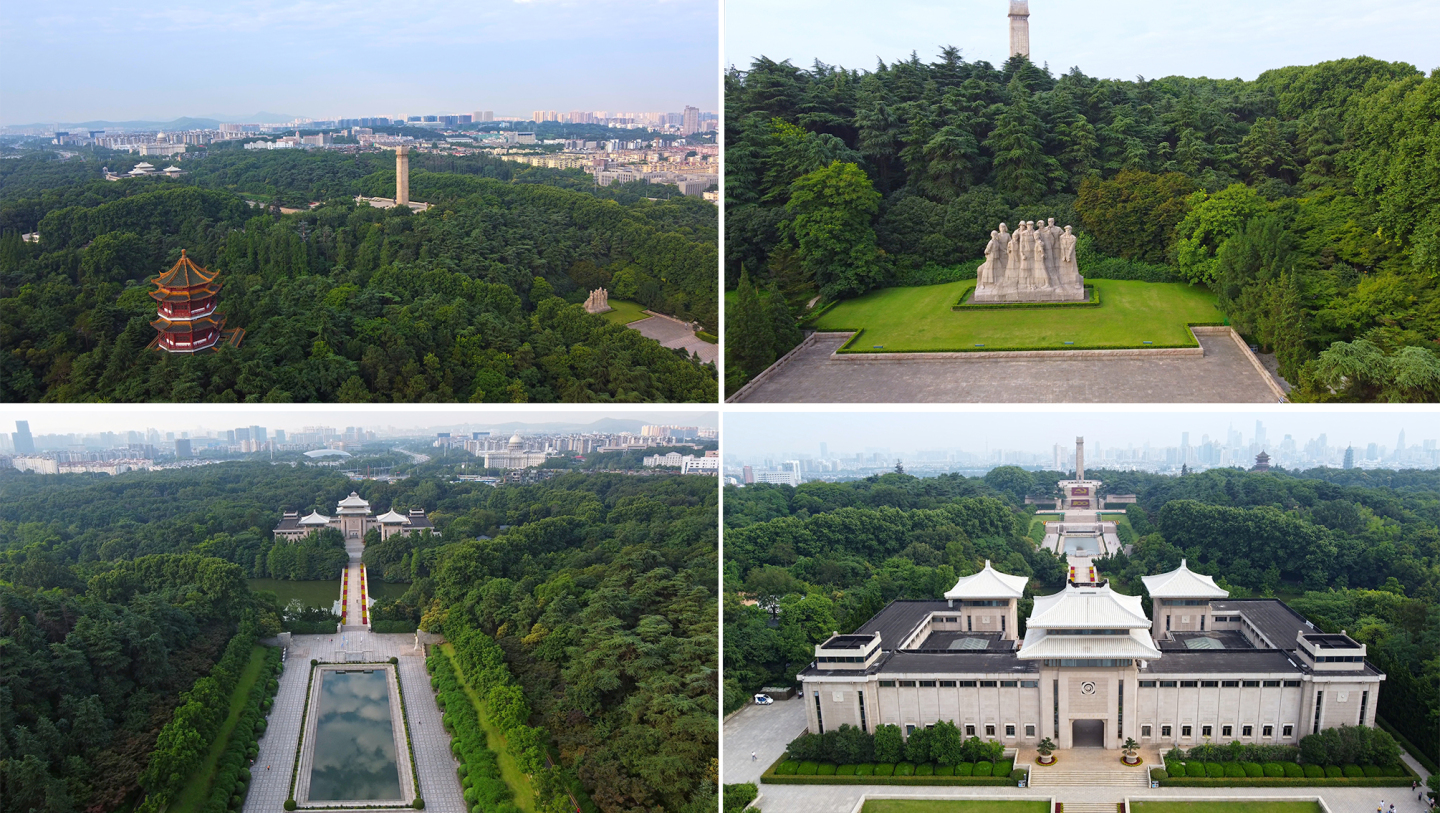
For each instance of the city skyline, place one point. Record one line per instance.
(68, 420)
(753, 436)
(1223, 39)
(60, 65)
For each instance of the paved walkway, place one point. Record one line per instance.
(438, 783)
(1222, 375)
(766, 730)
(672, 332)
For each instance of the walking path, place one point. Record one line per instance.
(438, 784)
(674, 333)
(764, 731)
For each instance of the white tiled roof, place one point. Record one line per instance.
(354, 501)
(391, 517)
(1182, 583)
(1088, 608)
(1040, 644)
(315, 518)
(988, 583)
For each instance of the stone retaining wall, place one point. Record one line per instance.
(780, 363)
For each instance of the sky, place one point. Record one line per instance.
(1113, 39)
(160, 59)
(756, 435)
(64, 419)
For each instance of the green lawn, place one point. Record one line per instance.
(1224, 807)
(625, 312)
(509, 770)
(921, 319)
(952, 806)
(197, 788)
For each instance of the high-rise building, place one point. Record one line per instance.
(824, 451)
(24, 443)
(182, 449)
(484, 115)
(1260, 434)
(690, 121)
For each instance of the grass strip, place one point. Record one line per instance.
(197, 787)
(509, 768)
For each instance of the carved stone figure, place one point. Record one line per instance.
(1034, 263)
(598, 301)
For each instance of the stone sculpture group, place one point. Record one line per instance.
(1035, 263)
(598, 302)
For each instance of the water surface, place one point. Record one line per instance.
(354, 739)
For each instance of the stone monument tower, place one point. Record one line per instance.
(1020, 28)
(1079, 458)
(402, 176)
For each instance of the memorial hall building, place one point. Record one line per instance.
(1092, 669)
(353, 519)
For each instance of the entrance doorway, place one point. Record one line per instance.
(1087, 733)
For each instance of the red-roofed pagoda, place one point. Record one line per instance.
(186, 318)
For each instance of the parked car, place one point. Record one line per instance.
(764, 700)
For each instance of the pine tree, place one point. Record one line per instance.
(1021, 166)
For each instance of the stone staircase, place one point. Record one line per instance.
(1090, 807)
(1103, 769)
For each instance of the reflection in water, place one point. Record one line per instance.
(1080, 544)
(354, 741)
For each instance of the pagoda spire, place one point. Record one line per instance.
(185, 316)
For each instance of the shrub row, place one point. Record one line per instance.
(738, 796)
(231, 780)
(932, 274)
(482, 662)
(182, 743)
(393, 626)
(485, 789)
(1247, 774)
(854, 345)
(790, 771)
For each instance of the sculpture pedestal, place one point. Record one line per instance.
(995, 294)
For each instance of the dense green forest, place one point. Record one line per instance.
(1354, 550)
(476, 299)
(600, 589)
(1306, 199)
(95, 656)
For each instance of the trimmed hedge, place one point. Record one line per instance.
(855, 341)
(484, 787)
(1283, 774)
(1158, 774)
(790, 772)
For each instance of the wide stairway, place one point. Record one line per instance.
(1090, 807)
(1089, 767)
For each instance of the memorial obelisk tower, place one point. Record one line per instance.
(1020, 28)
(1079, 458)
(402, 176)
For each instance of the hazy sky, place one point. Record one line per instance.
(159, 59)
(756, 435)
(75, 418)
(1117, 39)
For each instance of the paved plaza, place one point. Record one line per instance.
(1222, 375)
(766, 730)
(677, 334)
(438, 783)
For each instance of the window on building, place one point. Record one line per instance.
(1009, 683)
(1271, 684)
(930, 684)
(887, 684)
(1319, 711)
(1144, 731)
(819, 715)
(947, 684)
(1230, 684)
(1288, 730)
(1029, 684)
(1227, 730)
(1207, 730)
(909, 729)
(989, 729)
(1247, 730)
(1168, 684)
(1292, 684)
(1030, 731)
(1147, 684)
(861, 697)
(967, 683)
(1165, 730)
(1189, 684)
(1268, 731)
(969, 730)
(1010, 729)
(909, 683)
(1249, 684)
(1210, 684)
(1186, 731)
(988, 683)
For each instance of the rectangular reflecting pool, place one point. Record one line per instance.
(354, 746)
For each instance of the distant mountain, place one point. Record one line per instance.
(601, 425)
(183, 123)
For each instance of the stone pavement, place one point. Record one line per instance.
(439, 785)
(672, 332)
(1222, 375)
(765, 730)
